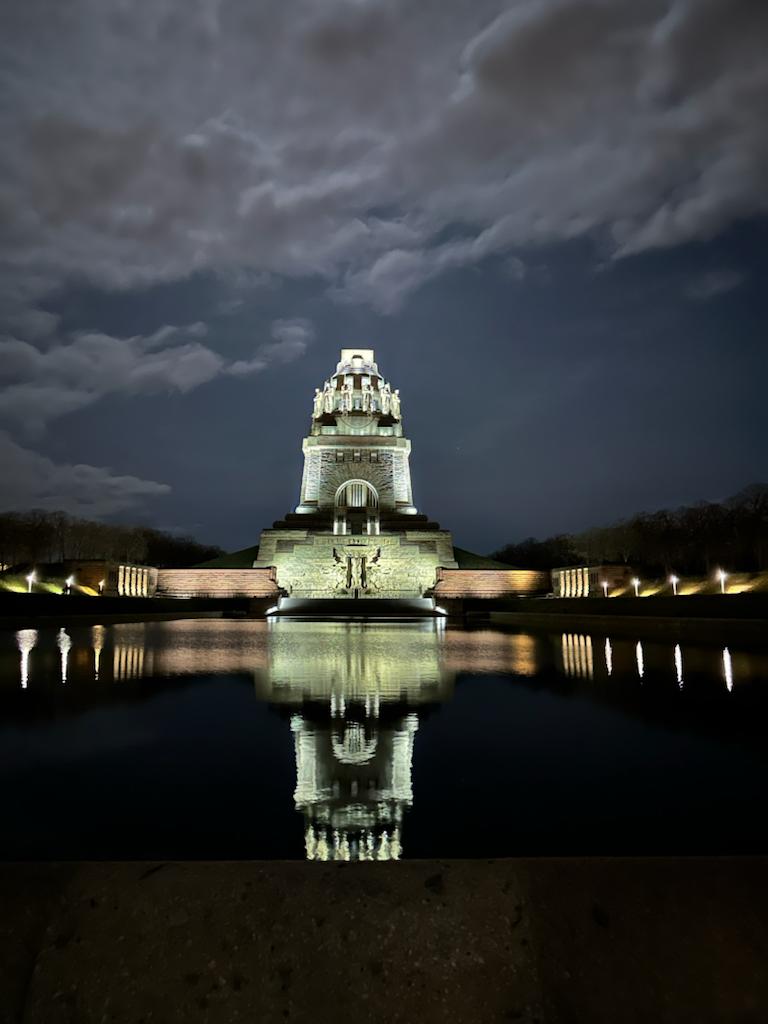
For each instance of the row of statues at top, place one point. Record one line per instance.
(385, 399)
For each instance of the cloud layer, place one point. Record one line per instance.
(31, 480)
(37, 386)
(352, 139)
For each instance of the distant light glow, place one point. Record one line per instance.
(101, 586)
(604, 585)
(639, 659)
(26, 640)
(679, 665)
(674, 580)
(728, 669)
(70, 581)
(63, 642)
(722, 575)
(98, 635)
(30, 580)
(636, 585)
(608, 656)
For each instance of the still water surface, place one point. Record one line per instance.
(228, 739)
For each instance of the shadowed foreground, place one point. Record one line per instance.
(516, 940)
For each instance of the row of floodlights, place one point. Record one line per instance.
(721, 575)
(69, 582)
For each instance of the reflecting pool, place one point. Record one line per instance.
(352, 741)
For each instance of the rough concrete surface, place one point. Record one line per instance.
(547, 940)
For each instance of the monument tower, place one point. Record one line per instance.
(356, 532)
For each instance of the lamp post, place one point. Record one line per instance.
(30, 580)
(604, 585)
(674, 580)
(636, 585)
(69, 583)
(101, 586)
(722, 575)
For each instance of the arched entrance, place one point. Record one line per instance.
(356, 508)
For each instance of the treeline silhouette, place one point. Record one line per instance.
(46, 537)
(695, 540)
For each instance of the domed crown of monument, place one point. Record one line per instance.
(356, 399)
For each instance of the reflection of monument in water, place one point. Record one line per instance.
(354, 723)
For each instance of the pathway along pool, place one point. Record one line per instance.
(278, 739)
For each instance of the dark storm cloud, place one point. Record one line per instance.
(31, 480)
(39, 386)
(145, 142)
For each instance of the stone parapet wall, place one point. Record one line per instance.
(216, 583)
(490, 583)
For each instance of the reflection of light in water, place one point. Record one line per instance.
(128, 658)
(98, 633)
(354, 747)
(608, 656)
(64, 643)
(353, 785)
(577, 655)
(522, 654)
(728, 669)
(26, 639)
(639, 659)
(679, 665)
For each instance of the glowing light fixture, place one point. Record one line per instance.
(101, 586)
(604, 585)
(30, 580)
(70, 581)
(674, 580)
(636, 585)
(722, 575)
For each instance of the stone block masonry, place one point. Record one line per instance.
(395, 565)
(217, 583)
(490, 583)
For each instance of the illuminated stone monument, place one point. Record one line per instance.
(356, 532)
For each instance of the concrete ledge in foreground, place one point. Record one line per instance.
(545, 940)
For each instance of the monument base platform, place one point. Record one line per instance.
(357, 608)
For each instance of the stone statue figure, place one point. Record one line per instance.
(395, 402)
(386, 399)
(317, 405)
(346, 396)
(327, 397)
(367, 396)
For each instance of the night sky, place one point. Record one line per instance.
(547, 217)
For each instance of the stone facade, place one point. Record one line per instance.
(216, 583)
(356, 531)
(490, 583)
(591, 581)
(391, 565)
